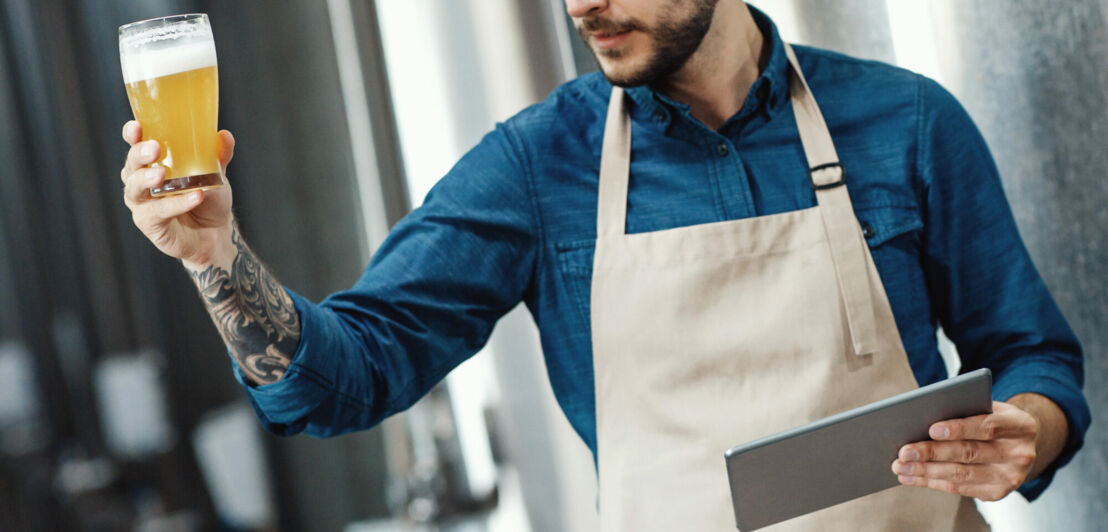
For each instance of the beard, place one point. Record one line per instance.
(675, 39)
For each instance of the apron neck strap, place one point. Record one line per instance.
(849, 250)
(823, 163)
(615, 163)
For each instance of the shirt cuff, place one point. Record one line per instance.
(1056, 384)
(283, 407)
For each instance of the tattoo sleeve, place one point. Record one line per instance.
(254, 314)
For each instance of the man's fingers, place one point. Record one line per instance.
(965, 451)
(985, 492)
(986, 482)
(960, 473)
(174, 206)
(984, 428)
(132, 132)
(1006, 421)
(159, 211)
(959, 429)
(140, 155)
(137, 189)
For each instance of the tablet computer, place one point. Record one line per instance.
(845, 456)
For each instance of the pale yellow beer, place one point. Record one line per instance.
(169, 68)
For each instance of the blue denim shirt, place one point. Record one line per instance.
(515, 220)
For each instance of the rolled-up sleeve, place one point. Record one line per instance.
(985, 290)
(427, 301)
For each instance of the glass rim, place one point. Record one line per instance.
(131, 26)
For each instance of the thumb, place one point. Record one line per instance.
(226, 148)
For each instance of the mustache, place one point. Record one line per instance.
(606, 26)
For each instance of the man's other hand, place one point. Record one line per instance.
(985, 456)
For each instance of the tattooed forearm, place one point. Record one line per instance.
(253, 313)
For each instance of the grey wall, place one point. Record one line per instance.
(1033, 78)
(853, 27)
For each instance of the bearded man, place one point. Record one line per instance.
(710, 255)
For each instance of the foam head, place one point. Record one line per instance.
(156, 50)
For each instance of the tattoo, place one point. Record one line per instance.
(254, 315)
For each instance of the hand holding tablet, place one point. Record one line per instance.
(984, 456)
(848, 455)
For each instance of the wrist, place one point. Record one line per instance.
(219, 252)
(1053, 428)
(1036, 406)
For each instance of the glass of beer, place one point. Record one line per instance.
(169, 68)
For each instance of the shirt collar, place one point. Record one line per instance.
(770, 91)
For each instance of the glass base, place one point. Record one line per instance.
(181, 185)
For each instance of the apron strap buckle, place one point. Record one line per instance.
(828, 166)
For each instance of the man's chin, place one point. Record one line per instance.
(621, 76)
(627, 70)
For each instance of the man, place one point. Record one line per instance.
(700, 267)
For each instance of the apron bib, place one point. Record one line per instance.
(712, 335)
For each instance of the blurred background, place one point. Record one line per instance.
(117, 406)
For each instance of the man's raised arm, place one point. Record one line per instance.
(252, 312)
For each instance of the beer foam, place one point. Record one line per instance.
(150, 63)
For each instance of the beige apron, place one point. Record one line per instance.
(712, 335)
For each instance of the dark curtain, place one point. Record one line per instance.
(78, 282)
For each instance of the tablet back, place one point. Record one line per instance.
(844, 456)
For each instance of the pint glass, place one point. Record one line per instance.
(169, 68)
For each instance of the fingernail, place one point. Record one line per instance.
(940, 432)
(149, 150)
(152, 175)
(907, 481)
(903, 469)
(194, 197)
(911, 455)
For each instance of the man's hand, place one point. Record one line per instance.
(189, 226)
(986, 456)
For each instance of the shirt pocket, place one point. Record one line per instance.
(890, 226)
(574, 260)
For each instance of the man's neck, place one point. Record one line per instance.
(715, 80)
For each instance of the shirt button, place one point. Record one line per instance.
(721, 149)
(867, 230)
(660, 116)
(763, 92)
